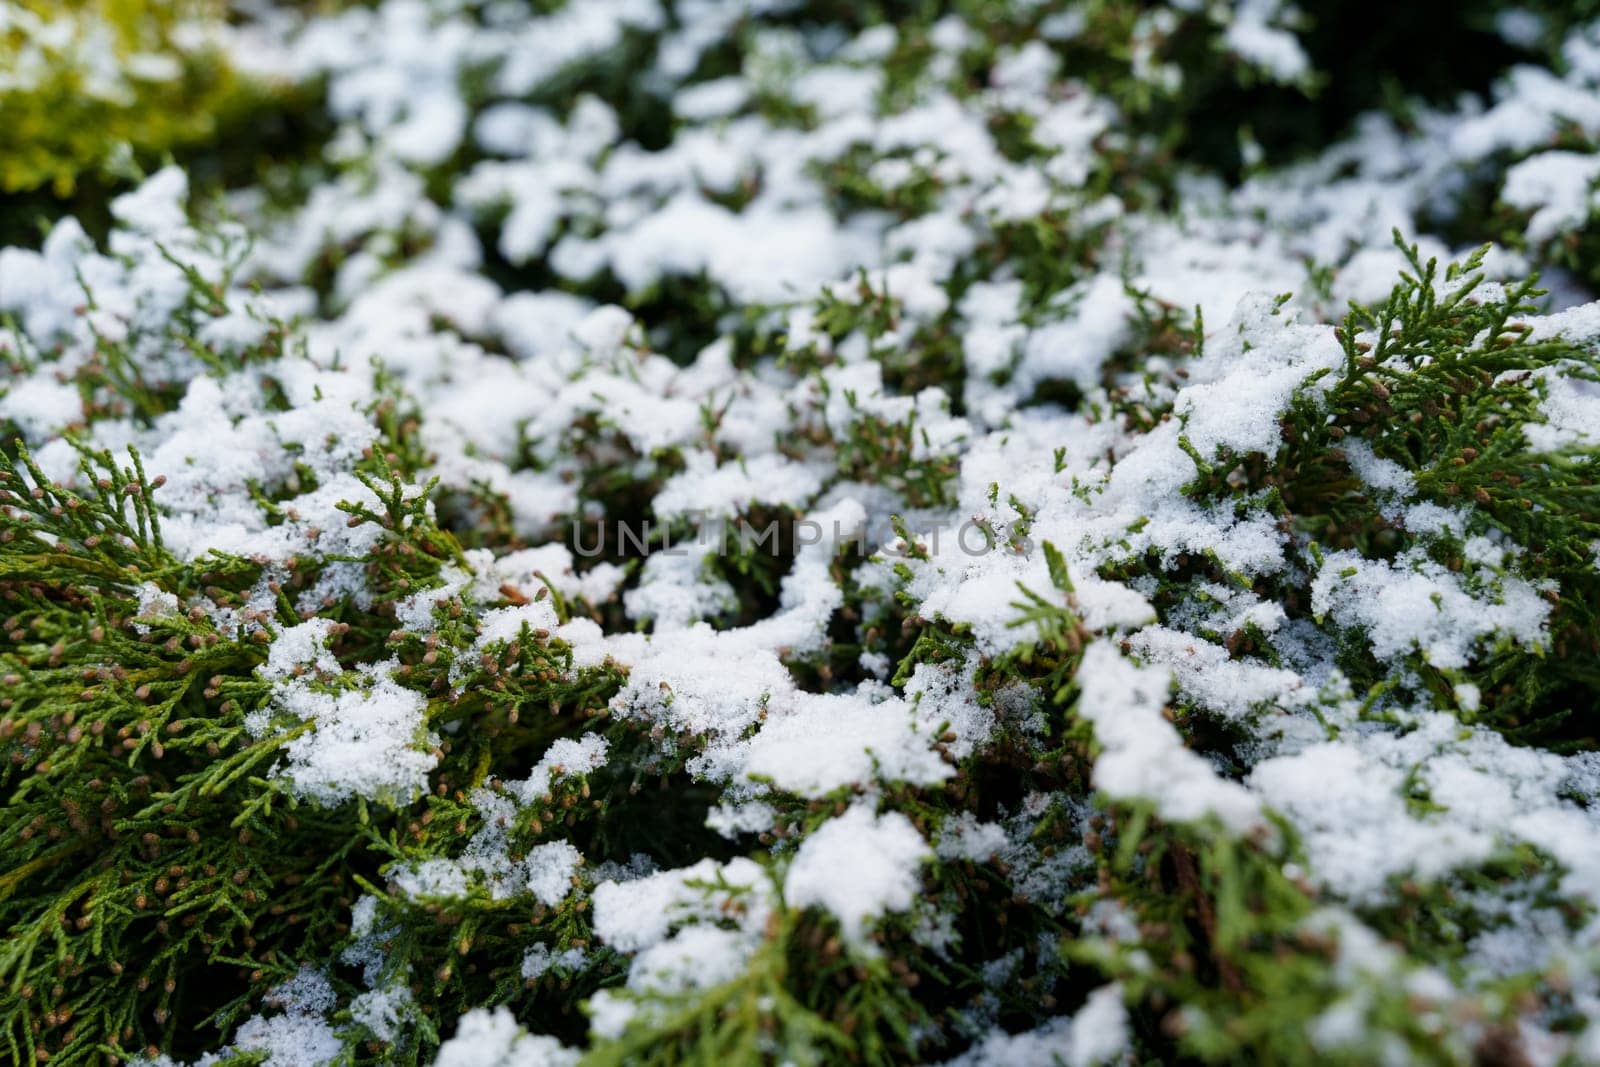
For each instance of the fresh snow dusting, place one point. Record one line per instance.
(492, 1038)
(765, 533)
(367, 741)
(858, 866)
(1098, 1034)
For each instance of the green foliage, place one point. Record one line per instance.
(71, 121)
(802, 995)
(1444, 389)
(156, 878)
(160, 873)
(1442, 379)
(1229, 964)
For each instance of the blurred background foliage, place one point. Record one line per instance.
(95, 93)
(83, 83)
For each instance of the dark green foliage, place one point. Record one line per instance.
(1444, 389)
(160, 873)
(156, 880)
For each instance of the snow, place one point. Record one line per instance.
(1274, 50)
(1416, 604)
(38, 405)
(859, 867)
(635, 915)
(1076, 347)
(565, 758)
(298, 1034)
(550, 869)
(669, 921)
(156, 208)
(540, 960)
(370, 741)
(492, 1038)
(299, 648)
(1352, 813)
(1557, 187)
(1097, 1034)
(1206, 674)
(453, 260)
(823, 743)
(383, 1011)
(969, 839)
(1142, 756)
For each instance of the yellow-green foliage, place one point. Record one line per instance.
(85, 82)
